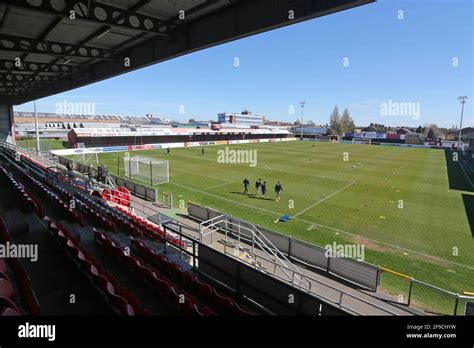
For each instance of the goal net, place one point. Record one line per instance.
(361, 141)
(91, 159)
(152, 171)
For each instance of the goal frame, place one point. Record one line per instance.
(363, 141)
(143, 169)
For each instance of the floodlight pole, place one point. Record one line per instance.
(302, 107)
(463, 100)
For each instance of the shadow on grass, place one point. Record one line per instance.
(458, 178)
(469, 207)
(261, 198)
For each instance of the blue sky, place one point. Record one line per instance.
(407, 60)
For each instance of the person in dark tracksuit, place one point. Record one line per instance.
(202, 151)
(278, 189)
(258, 186)
(99, 173)
(264, 189)
(246, 183)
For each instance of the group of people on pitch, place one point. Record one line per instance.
(262, 188)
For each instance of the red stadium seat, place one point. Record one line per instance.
(131, 299)
(224, 302)
(9, 312)
(206, 311)
(6, 289)
(3, 266)
(7, 303)
(243, 311)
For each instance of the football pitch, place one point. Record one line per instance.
(411, 208)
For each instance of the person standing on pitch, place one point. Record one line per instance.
(202, 151)
(168, 150)
(264, 189)
(278, 189)
(258, 186)
(246, 186)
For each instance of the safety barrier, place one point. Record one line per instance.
(414, 293)
(357, 272)
(430, 298)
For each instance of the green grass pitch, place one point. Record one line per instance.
(406, 205)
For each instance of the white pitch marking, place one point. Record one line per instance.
(331, 228)
(323, 199)
(226, 183)
(467, 177)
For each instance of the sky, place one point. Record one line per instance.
(393, 62)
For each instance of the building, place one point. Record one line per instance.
(244, 118)
(404, 130)
(95, 137)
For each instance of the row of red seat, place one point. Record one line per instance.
(69, 214)
(120, 195)
(176, 299)
(118, 297)
(27, 204)
(223, 303)
(8, 296)
(150, 230)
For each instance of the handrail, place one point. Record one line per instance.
(404, 276)
(270, 251)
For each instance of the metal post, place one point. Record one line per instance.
(36, 129)
(151, 175)
(302, 107)
(165, 241)
(463, 100)
(409, 292)
(456, 305)
(194, 255)
(118, 166)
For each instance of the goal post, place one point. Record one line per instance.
(152, 171)
(367, 141)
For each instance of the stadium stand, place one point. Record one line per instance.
(115, 230)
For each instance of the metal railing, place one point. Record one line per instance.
(420, 295)
(222, 223)
(417, 291)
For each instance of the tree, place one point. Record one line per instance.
(310, 123)
(431, 133)
(347, 124)
(297, 123)
(191, 120)
(419, 129)
(335, 120)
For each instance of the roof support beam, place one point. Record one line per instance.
(13, 43)
(97, 13)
